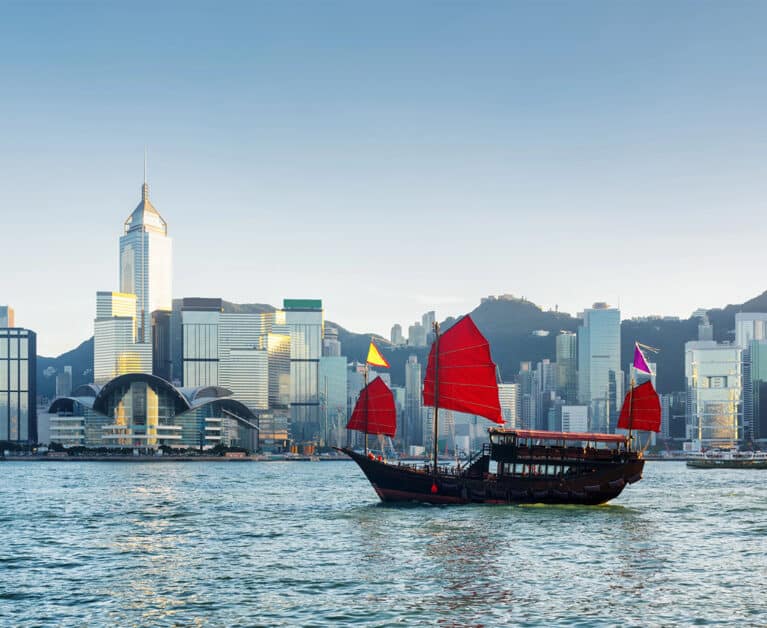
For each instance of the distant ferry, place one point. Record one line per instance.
(727, 459)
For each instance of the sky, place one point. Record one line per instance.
(389, 158)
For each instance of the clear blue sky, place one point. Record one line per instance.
(387, 157)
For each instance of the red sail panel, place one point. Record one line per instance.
(641, 409)
(467, 381)
(375, 412)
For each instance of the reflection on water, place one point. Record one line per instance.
(308, 543)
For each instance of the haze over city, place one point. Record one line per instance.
(389, 159)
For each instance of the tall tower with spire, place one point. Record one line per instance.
(146, 265)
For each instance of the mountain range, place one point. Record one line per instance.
(518, 330)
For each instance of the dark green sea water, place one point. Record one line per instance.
(309, 544)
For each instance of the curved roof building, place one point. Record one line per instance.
(146, 411)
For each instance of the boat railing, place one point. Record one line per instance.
(483, 451)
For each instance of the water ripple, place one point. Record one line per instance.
(309, 544)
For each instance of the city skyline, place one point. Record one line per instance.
(420, 173)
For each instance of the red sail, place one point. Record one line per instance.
(467, 380)
(375, 412)
(641, 409)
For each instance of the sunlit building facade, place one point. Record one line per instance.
(713, 384)
(6, 316)
(600, 379)
(140, 410)
(115, 347)
(508, 396)
(18, 392)
(304, 319)
(146, 265)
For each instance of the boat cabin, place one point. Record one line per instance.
(538, 452)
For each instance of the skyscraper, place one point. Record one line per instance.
(713, 377)
(115, 347)
(397, 339)
(18, 392)
(333, 399)
(413, 432)
(64, 382)
(600, 379)
(750, 326)
(304, 319)
(750, 334)
(146, 263)
(508, 397)
(331, 345)
(6, 316)
(566, 364)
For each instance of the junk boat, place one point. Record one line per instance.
(516, 466)
(728, 459)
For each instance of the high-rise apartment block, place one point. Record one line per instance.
(397, 339)
(416, 335)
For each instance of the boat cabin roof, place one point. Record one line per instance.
(563, 436)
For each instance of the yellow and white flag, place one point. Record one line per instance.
(375, 358)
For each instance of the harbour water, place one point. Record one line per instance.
(304, 543)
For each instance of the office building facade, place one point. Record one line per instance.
(18, 391)
(146, 265)
(600, 379)
(304, 320)
(566, 366)
(6, 316)
(713, 386)
(116, 350)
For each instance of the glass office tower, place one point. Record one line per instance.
(713, 377)
(115, 347)
(304, 320)
(146, 263)
(18, 393)
(600, 379)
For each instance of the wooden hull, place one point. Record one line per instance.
(395, 483)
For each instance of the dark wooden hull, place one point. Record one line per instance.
(399, 483)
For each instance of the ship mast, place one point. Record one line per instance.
(631, 404)
(365, 374)
(436, 399)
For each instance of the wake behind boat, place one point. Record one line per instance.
(516, 466)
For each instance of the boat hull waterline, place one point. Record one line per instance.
(399, 483)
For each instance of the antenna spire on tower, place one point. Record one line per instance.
(145, 186)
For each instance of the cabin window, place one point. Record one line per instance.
(493, 467)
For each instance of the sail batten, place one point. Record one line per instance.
(467, 373)
(641, 409)
(374, 412)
